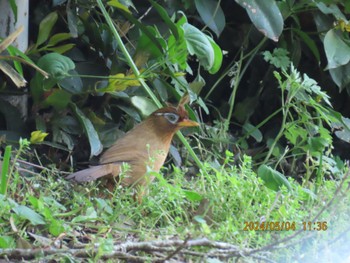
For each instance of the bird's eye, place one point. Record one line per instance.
(171, 117)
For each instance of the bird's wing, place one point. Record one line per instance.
(95, 172)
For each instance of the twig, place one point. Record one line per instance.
(179, 248)
(127, 250)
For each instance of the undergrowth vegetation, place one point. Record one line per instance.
(265, 176)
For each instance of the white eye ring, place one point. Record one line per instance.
(171, 117)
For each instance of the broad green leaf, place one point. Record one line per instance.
(192, 196)
(7, 242)
(144, 105)
(337, 50)
(56, 228)
(212, 15)
(198, 44)
(217, 56)
(57, 65)
(265, 16)
(149, 45)
(72, 21)
(68, 124)
(316, 144)
(131, 112)
(331, 9)
(177, 49)
(197, 84)
(95, 143)
(29, 214)
(57, 98)
(73, 85)
(341, 76)
(343, 133)
(272, 178)
(45, 27)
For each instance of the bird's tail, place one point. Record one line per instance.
(94, 172)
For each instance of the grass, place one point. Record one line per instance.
(42, 210)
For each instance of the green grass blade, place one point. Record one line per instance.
(5, 168)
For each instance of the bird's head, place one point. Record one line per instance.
(169, 120)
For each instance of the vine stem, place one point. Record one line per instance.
(143, 82)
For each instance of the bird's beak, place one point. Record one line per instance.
(187, 123)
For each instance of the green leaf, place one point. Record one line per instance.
(212, 15)
(309, 42)
(5, 170)
(45, 27)
(29, 214)
(73, 85)
(272, 178)
(343, 133)
(7, 242)
(198, 44)
(279, 58)
(56, 65)
(58, 99)
(217, 57)
(332, 9)
(253, 131)
(144, 105)
(341, 76)
(117, 4)
(14, 8)
(56, 228)
(164, 15)
(90, 216)
(177, 49)
(316, 144)
(61, 49)
(57, 38)
(95, 143)
(265, 16)
(337, 51)
(192, 196)
(17, 65)
(150, 44)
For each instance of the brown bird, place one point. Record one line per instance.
(145, 146)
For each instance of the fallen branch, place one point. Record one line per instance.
(128, 251)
